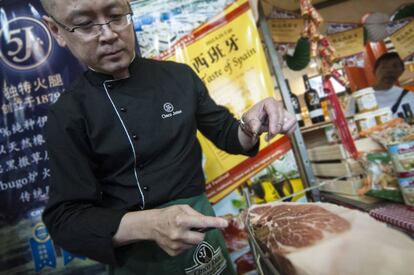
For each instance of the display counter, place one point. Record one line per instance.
(361, 186)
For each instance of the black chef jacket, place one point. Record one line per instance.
(124, 145)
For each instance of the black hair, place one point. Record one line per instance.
(388, 56)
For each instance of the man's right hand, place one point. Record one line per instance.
(170, 227)
(173, 230)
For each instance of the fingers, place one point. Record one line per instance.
(290, 124)
(280, 119)
(265, 116)
(276, 117)
(192, 237)
(187, 237)
(254, 125)
(174, 233)
(271, 112)
(200, 221)
(189, 210)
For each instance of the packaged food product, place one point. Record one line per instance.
(392, 132)
(407, 190)
(331, 134)
(402, 156)
(383, 115)
(380, 171)
(365, 100)
(365, 121)
(353, 129)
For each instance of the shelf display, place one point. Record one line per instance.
(363, 163)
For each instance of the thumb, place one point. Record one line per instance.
(254, 125)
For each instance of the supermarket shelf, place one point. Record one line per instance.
(318, 126)
(315, 127)
(361, 203)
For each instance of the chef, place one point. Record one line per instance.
(127, 186)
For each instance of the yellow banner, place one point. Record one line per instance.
(227, 55)
(403, 40)
(286, 30)
(348, 43)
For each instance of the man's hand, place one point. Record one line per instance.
(172, 228)
(269, 116)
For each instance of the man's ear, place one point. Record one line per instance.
(56, 32)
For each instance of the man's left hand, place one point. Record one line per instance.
(269, 116)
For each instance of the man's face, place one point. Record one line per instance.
(389, 71)
(111, 51)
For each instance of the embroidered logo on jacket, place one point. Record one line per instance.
(169, 109)
(207, 260)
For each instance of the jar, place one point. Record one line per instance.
(383, 115)
(365, 100)
(365, 121)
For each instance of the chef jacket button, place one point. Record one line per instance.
(123, 109)
(146, 188)
(135, 137)
(109, 86)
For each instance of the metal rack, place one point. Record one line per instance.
(298, 145)
(262, 261)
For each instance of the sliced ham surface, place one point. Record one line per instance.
(327, 239)
(288, 227)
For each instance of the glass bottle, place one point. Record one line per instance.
(296, 105)
(313, 102)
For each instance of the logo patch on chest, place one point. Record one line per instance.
(169, 111)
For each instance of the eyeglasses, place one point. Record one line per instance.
(118, 23)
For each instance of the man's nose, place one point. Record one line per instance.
(107, 33)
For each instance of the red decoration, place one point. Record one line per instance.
(339, 119)
(320, 45)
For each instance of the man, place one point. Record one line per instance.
(127, 184)
(387, 69)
